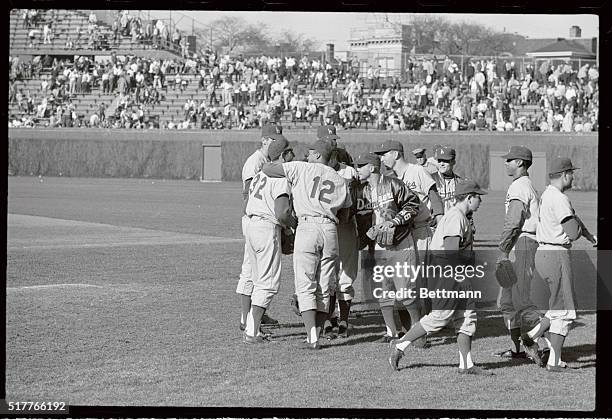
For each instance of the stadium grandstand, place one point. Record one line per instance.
(83, 68)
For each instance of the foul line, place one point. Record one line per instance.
(48, 286)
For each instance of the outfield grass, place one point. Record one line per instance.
(128, 299)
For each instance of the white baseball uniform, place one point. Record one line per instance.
(552, 259)
(251, 167)
(263, 234)
(453, 223)
(318, 193)
(446, 189)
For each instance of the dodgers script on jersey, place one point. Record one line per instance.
(262, 193)
(251, 167)
(317, 189)
(446, 189)
(522, 189)
(419, 181)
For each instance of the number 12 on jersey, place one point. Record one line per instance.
(328, 188)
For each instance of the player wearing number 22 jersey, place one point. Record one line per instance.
(319, 193)
(268, 209)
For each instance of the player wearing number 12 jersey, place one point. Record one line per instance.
(319, 193)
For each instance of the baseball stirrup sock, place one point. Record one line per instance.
(417, 331)
(515, 336)
(405, 318)
(539, 329)
(254, 318)
(309, 318)
(250, 324)
(332, 306)
(464, 342)
(556, 341)
(245, 302)
(387, 313)
(345, 308)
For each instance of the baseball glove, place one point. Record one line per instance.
(287, 240)
(382, 235)
(504, 274)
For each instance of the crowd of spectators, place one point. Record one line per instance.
(246, 92)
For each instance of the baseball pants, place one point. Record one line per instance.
(315, 257)
(346, 271)
(515, 302)
(461, 312)
(245, 282)
(554, 266)
(405, 252)
(264, 250)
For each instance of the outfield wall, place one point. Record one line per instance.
(178, 154)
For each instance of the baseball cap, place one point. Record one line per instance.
(418, 152)
(327, 132)
(467, 187)
(518, 152)
(388, 146)
(366, 158)
(323, 147)
(561, 164)
(445, 152)
(272, 131)
(277, 147)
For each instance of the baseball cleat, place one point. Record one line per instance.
(343, 329)
(242, 326)
(328, 333)
(295, 305)
(533, 354)
(248, 339)
(386, 338)
(509, 354)
(421, 343)
(394, 358)
(334, 322)
(266, 320)
(560, 369)
(310, 346)
(475, 370)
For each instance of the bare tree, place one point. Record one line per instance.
(231, 34)
(296, 42)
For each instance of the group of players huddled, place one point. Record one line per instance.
(401, 212)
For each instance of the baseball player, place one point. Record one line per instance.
(446, 179)
(251, 167)
(394, 206)
(340, 155)
(420, 182)
(519, 233)
(319, 194)
(451, 244)
(421, 158)
(268, 209)
(558, 227)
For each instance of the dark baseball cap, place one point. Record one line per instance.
(327, 132)
(367, 158)
(388, 146)
(277, 147)
(272, 131)
(446, 153)
(518, 152)
(467, 187)
(418, 152)
(323, 147)
(561, 164)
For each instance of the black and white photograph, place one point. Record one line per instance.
(212, 209)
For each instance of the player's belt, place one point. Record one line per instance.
(525, 231)
(259, 218)
(316, 219)
(567, 246)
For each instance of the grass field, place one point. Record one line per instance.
(121, 292)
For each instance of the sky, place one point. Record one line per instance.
(335, 27)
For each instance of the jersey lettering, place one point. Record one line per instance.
(329, 190)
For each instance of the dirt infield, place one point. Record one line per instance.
(121, 292)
